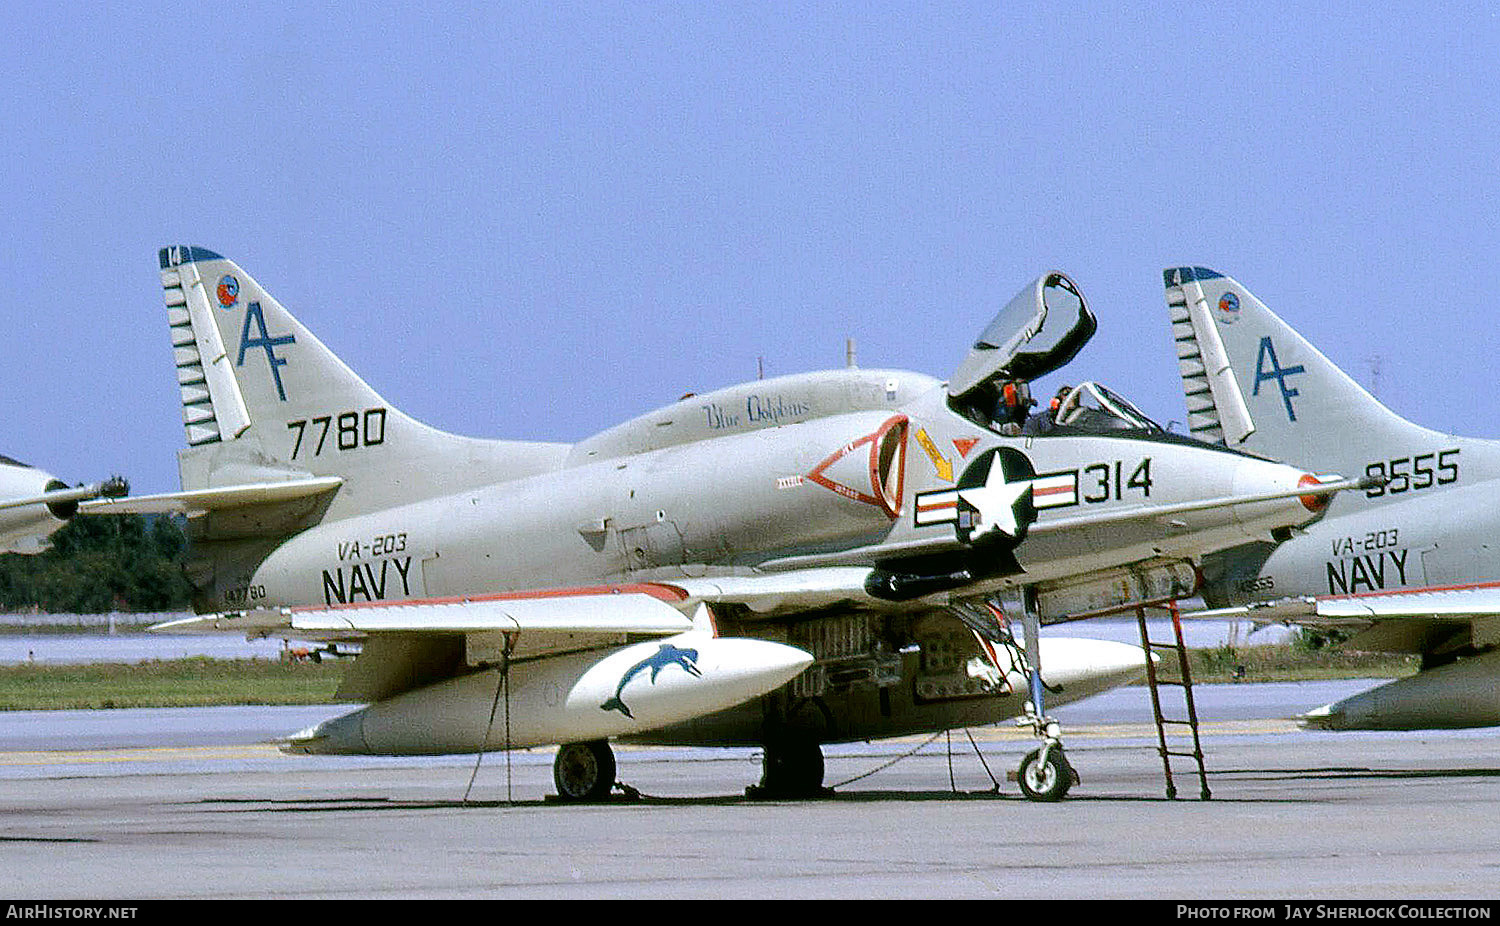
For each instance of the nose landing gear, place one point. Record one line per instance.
(1045, 774)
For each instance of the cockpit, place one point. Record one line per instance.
(1038, 332)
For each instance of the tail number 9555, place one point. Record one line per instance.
(1412, 474)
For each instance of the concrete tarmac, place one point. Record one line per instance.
(124, 805)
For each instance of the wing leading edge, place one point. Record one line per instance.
(542, 617)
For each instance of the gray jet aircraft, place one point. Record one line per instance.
(784, 563)
(35, 504)
(1410, 564)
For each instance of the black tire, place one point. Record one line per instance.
(1045, 781)
(584, 771)
(792, 767)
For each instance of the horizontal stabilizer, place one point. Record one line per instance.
(1455, 603)
(202, 500)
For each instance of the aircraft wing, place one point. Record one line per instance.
(408, 644)
(1405, 620)
(547, 615)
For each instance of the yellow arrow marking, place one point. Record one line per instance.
(939, 462)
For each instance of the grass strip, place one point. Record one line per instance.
(204, 682)
(1284, 663)
(192, 682)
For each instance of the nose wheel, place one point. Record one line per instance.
(1045, 774)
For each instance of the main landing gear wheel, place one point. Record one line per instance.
(792, 767)
(584, 771)
(1045, 780)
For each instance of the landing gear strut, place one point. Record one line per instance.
(584, 771)
(1045, 774)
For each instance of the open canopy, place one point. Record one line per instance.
(1038, 331)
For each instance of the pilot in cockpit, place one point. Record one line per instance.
(1045, 420)
(1012, 406)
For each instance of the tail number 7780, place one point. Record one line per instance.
(349, 431)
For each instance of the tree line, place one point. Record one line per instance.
(101, 563)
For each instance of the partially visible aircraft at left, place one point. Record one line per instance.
(34, 504)
(824, 557)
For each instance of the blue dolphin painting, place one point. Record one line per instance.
(668, 655)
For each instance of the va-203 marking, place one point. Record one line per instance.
(1368, 563)
(377, 546)
(1373, 540)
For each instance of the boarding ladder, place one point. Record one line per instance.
(1154, 682)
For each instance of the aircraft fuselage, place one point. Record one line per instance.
(862, 487)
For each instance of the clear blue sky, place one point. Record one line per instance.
(536, 220)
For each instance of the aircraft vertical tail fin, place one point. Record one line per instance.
(1254, 383)
(243, 360)
(1216, 410)
(209, 411)
(264, 400)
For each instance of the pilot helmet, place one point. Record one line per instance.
(1016, 395)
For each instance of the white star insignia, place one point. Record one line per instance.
(995, 502)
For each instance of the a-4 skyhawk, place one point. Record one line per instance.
(1407, 566)
(35, 504)
(783, 563)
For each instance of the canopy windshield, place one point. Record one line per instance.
(1092, 407)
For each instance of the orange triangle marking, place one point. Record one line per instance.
(964, 445)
